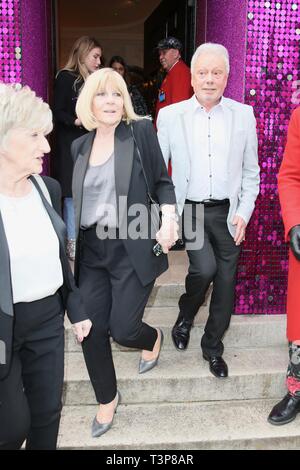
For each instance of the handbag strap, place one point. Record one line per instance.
(142, 165)
(43, 187)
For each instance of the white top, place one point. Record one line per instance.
(209, 161)
(35, 266)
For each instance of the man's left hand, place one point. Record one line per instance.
(240, 229)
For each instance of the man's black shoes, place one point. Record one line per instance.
(181, 333)
(217, 366)
(285, 411)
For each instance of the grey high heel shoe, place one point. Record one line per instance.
(101, 428)
(144, 366)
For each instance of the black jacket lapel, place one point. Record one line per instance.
(6, 300)
(124, 147)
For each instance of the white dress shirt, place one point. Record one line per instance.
(209, 159)
(36, 270)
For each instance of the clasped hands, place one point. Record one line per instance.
(168, 232)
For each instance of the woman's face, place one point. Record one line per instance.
(93, 60)
(24, 151)
(108, 106)
(118, 68)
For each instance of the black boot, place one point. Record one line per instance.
(285, 411)
(181, 333)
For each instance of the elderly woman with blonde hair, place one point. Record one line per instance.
(118, 166)
(36, 284)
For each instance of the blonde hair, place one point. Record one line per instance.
(21, 108)
(95, 83)
(214, 48)
(80, 49)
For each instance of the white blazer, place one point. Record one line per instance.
(175, 130)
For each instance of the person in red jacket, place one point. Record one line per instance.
(177, 83)
(289, 194)
(175, 87)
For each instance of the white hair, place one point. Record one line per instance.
(21, 108)
(212, 48)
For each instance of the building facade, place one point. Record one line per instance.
(263, 39)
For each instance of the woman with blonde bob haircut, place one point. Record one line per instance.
(36, 283)
(97, 84)
(114, 271)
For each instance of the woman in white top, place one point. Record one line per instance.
(36, 283)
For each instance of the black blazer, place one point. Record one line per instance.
(130, 183)
(65, 98)
(70, 294)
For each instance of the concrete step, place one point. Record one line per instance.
(170, 285)
(246, 331)
(181, 426)
(184, 376)
(168, 294)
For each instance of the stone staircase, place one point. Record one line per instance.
(179, 405)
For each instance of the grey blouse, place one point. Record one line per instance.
(99, 203)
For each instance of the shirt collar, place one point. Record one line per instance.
(197, 105)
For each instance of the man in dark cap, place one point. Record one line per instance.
(177, 84)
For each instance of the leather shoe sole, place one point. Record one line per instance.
(289, 406)
(280, 423)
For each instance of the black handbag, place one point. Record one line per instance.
(153, 206)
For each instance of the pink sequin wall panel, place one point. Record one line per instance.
(226, 24)
(35, 45)
(272, 71)
(10, 42)
(23, 45)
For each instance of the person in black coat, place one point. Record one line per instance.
(85, 58)
(36, 283)
(115, 264)
(139, 105)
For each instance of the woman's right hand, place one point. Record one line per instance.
(77, 122)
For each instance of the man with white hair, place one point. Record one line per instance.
(212, 144)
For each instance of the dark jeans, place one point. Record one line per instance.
(30, 396)
(115, 300)
(215, 262)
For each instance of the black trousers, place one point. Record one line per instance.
(215, 262)
(30, 396)
(115, 300)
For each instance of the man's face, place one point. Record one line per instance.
(209, 79)
(168, 57)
